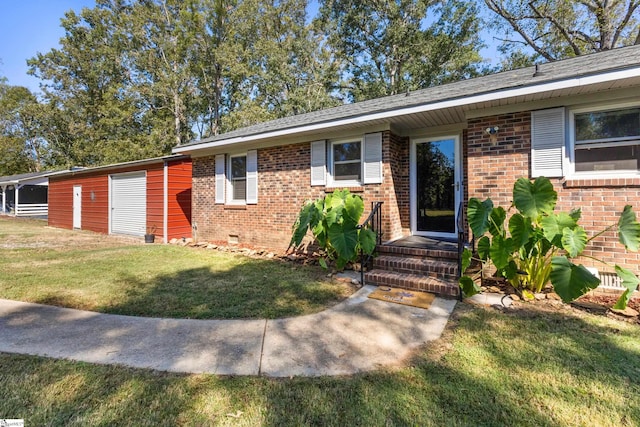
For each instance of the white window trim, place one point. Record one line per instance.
(230, 200)
(570, 164)
(333, 183)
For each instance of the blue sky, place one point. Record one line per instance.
(28, 27)
(31, 26)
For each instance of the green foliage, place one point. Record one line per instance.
(333, 221)
(391, 47)
(540, 244)
(557, 29)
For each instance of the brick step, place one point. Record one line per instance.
(413, 282)
(440, 268)
(416, 252)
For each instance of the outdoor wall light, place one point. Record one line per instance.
(492, 130)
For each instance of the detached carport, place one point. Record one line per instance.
(25, 194)
(151, 196)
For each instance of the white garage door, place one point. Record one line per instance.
(129, 203)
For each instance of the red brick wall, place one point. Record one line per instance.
(495, 162)
(283, 187)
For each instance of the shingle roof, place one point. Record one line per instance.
(23, 176)
(596, 63)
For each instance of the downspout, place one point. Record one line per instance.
(165, 203)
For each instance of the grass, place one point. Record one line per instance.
(120, 276)
(523, 368)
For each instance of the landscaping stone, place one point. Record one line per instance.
(627, 312)
(515, 297)
(539, 296)
(554, 296)
(593, 307)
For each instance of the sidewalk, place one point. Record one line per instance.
(359, 334)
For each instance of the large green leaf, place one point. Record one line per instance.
(630, 281)
(367, 240)
(484, 245)
(520, 230)
(466, 260)
(574, 241)
(629, 229)
(571, 281)
(554, 226)
(478, 215)
(468, 286)
(301, 225)
(496, 221)
(533, 199)
(344, 239)
(333, 215)
(500, 251)
(353, 207)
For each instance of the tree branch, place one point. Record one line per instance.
(512, 20)
(556, 24)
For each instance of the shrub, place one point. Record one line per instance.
(538, 245)
(334, 222)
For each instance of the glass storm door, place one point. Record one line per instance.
(436, 187)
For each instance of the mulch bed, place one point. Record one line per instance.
(593, 303)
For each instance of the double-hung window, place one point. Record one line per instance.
(347, 162)
(238, 178)
(607, 140)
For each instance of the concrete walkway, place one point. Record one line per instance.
(359, 334)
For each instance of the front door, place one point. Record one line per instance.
(435, 186)
(77, 206)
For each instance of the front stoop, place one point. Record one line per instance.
(417, 269)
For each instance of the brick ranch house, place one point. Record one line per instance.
(576, 121)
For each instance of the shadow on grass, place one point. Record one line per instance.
(256, 289)
(533, 370)
(525, 369)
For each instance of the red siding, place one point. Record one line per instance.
(179, 199)
(95, 198)
(155, 197)
(95, 201)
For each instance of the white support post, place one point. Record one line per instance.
(4, 198)
(16, 189)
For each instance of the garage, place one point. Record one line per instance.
(129, 203)
(133, 198)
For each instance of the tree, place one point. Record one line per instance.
(134, 78)
(87, 86)
(22, 146)
(388, 47)
(557, 29)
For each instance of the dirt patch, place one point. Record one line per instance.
(21, 233)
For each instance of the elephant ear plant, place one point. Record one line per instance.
(537, 245)
(334, 220)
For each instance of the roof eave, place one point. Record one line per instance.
(459, 101)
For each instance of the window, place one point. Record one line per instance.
(607, 140)
(347, 164)
(238, 178)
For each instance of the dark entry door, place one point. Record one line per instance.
(436, 187)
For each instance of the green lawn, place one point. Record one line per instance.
(527, 368)
(99, 273)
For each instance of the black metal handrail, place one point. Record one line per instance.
(373, 223)
(462, 240)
